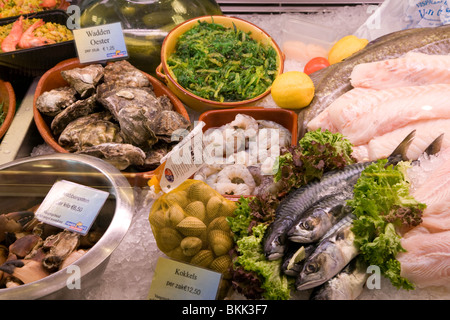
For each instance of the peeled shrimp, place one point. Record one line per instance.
(246, 123)
(29, 40)
(12, 39)
(229, 188)
(283, 133)
(237, 174)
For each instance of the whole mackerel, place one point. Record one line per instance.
(293, 207)
(332, 254)
(320, 218)
(333, 81)
(348, 284)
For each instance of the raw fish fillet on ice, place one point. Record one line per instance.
(427, 260)
(362, 114)
(426, 131)
(412, 69)
(434, 191)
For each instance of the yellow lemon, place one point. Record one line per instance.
(293, 90)
(345, 47)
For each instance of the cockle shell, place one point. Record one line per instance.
(219, 223)
(175, 214)
(196, 209)
(220, 242)
(228, 208)
(178, 254)
(200, 191)
(169, 239)
(191, 226)
(203, 258)
(214, 207)
(191, 245)
(177, 197)
(222, 265)
(157, 219)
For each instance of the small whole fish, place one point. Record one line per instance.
(293, 207)
(346, 285)
(295, 257)
(332, 254)
(320, 218)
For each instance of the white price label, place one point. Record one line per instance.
(100, 43)
(71, 206)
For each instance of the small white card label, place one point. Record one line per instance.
(185, 159)
(174, 280)
(100, 43)
(71, 206)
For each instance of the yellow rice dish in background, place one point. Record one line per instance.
(51, 31)
(11, 8)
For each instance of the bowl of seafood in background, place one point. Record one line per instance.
(120, 114)
(237, 70)
(36, 42)
(242, 148)
(7, 106)
(36, 256)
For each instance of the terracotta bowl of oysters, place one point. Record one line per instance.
(114, 112)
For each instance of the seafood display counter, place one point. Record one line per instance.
(130, 267)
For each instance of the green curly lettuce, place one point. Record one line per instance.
(275, 285)
(317, 152)
(382, 204)
(254, 275)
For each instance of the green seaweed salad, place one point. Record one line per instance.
(222, 64)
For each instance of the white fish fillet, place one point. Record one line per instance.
(409, 70)
(435, 192)
(362, 114)
(427, 260)
(426, 131)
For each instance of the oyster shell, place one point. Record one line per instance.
(122, 73)
(75, 110)
(121, 155)
(52, 102)
(84, 80)
(167, 122)
(115, 98)
(154, 156)
(88, 131)
(136, 126)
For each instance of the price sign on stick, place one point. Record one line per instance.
(71, 206)
(99, 43)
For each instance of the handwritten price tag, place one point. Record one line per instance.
(72, 206)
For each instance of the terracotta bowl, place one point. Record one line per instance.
(8, 98)
(217, 118)
(52, 79)
(193, 101)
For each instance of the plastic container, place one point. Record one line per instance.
(303, 40)
(36, 61)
